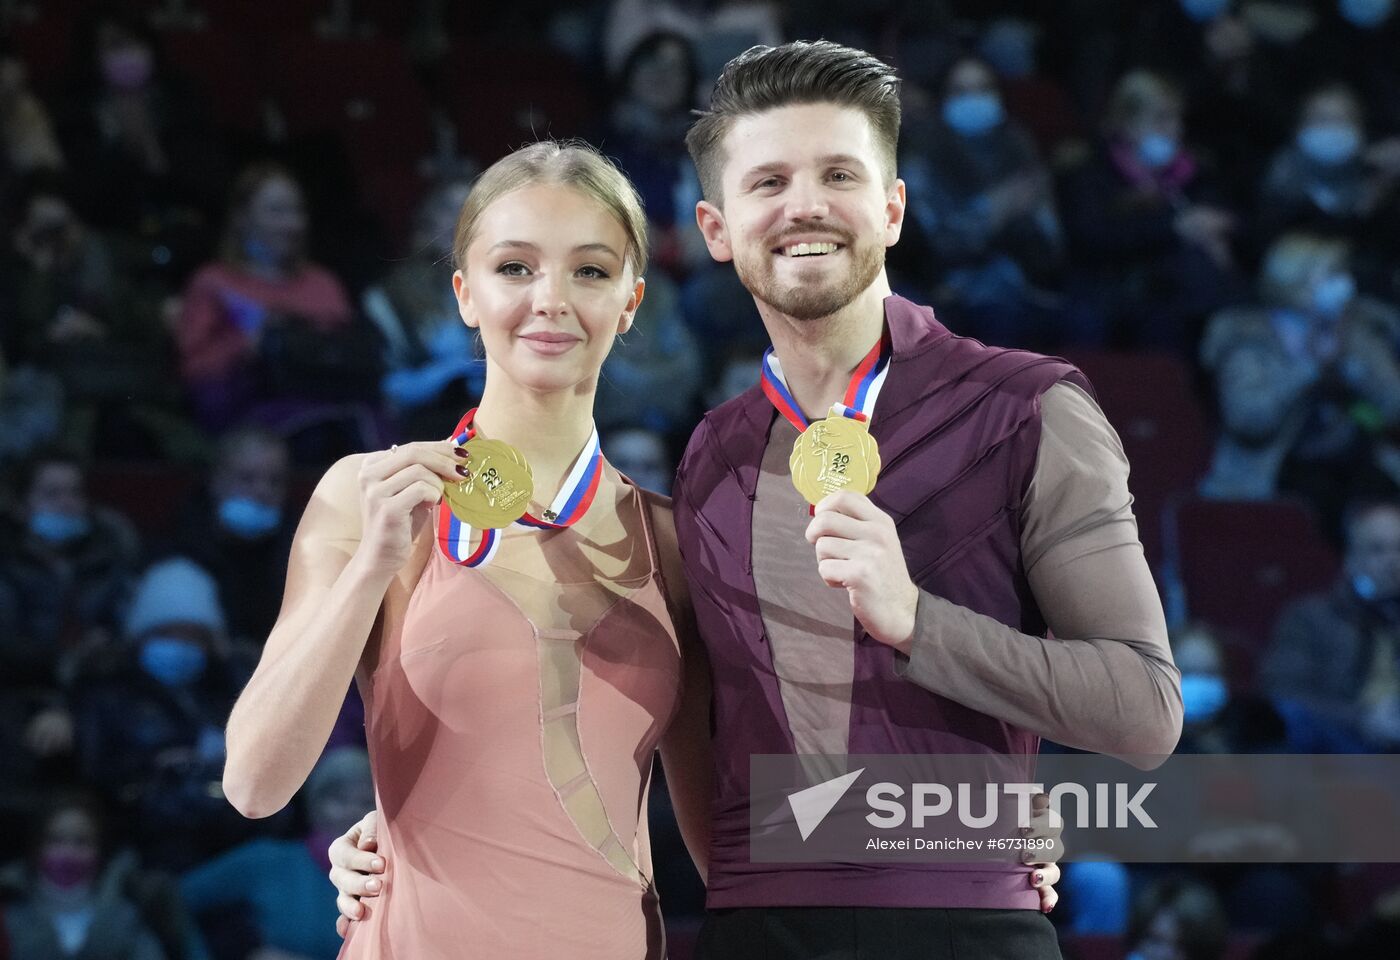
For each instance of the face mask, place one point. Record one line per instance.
(1156, 150)
(66, 870)
(127, 68)
(1202, 696)
(1331, 295)
(1330, 144)
(248, 518)
(58, 528)
(1204, 10)
(173, 661)
(1366, 14)
(1010, 49)
(973, 113)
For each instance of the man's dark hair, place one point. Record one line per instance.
(764, 78)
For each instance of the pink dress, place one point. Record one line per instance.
(512, 753)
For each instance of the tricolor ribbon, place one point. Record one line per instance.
(861, 394)
(571, 503)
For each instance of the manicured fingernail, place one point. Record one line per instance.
(376, 865)
(372, 885)
(1039, 877)
(463, 470)
(462, 452)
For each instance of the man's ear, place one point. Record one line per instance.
(463, 294)
(894, 213)
(710, 219)
(629, 313)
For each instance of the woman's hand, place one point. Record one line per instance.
(1045, 872)
(355, 866)
(397, 488)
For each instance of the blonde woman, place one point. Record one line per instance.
(517, 681)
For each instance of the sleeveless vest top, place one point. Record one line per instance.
(512, 760)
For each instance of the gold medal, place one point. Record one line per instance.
(498, 490)
(834, 454)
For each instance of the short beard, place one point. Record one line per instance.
(815, 302)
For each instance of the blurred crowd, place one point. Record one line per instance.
(225, 235)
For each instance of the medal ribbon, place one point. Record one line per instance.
(861, 393)
(571, 503)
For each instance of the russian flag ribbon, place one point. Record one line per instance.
(569, 505)
(861, 393)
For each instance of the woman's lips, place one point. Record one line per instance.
(550, 344)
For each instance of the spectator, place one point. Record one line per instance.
(1262, 396)
(431, 369)
(283, 883)
(1154, 245)
(646, 135)
(1334, 665)
(1332, 180)
(27, 141)
(31, 411)
(1342, 346)
(150, 714)
(70, 907)
(981, 198)
(1238, 97)
(1034, 99)
(1219, 717)
(641, 455)
(137, 139)
(1359, 46)
(1177, 919)
(652, 377)
(264, 323)
(239, 529)
(72, 310)
(65, 571)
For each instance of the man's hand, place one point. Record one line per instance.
(858, 548)
(355, 864)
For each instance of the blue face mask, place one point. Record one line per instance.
(1330, 144)
(1202, 695)
(971, 114)
(1331, 294)
(248, 518)
(1156, 150)
(172, 660)
(1010, 48)
(57, 528)
(1366, 14)
(1204, 10)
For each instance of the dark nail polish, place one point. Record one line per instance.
(463, 470)
(461, 452)
(1039, 877)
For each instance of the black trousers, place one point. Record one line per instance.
(875, 933)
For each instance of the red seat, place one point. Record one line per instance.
(501, 98)
(226, 66)
(1148, 399)
(150, 495)
(1239, 563)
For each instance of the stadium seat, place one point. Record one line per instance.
(1239, 563)
(1148, 399)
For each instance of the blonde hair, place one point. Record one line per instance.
(1292, 261)
(570, 163)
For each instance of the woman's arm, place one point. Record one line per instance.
(357, 535)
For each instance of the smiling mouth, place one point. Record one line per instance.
(809, 249)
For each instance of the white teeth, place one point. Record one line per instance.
(810, 249)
